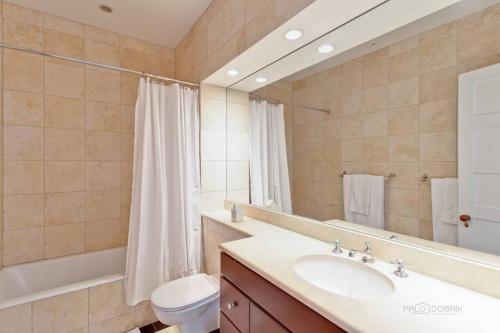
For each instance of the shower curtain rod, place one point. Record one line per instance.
(86, 62)
(275, 101)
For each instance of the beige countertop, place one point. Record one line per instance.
(272, 251)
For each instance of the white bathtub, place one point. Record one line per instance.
(33, 281)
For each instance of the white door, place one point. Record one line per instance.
(479, 159)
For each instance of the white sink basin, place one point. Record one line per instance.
(343, 277)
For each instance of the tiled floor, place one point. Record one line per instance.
(157, 326)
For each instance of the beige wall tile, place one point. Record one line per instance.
(403, 147)
(351, 150)
(438, 146)
(127, 118)
(134, 44)
(64, 145)
(102, 146)
(62, 80)
(16, 319)
(102, 175)
(22, 108)
(102, 87)
(100, 205)
(64, 176)
(64, 313)
(401, 224)
(63, 208)
(107, 301)
(62, 43)
(438, 54)
(102, 116)
(126, 147)
(406, 174)
(375, 149)
(479, 42)
(122, 323)
(404, 65)
(352, 104)
(63, 240)
(404, 92)
(63, 25)
(23, 211)
(21, 34)
(403, 120)
(102, 53)
(23, 143)
(102, 234)
(22, 14)
(23, 177)
(126, 174)
(138, 61)
(101, 35)
(213, 113)
(440, 84)
(351, 127)
(213, 176)
(402, 202)
(23, 73)
(64, 112)
(375, 124)
(22, 245)
(128, 90)
(375, 99)
(262, 24)
(237, 175)
(438, 115)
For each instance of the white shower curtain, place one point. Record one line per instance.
(269, 182)
(165, 218)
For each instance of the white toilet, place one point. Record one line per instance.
(191, 303)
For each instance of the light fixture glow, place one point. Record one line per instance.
(293, 34)
(260, 79)
(232, 72)
(326, 48)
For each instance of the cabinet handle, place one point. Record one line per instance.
(232, 305)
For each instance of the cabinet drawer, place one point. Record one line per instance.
(262, 322)
(235, 305)
(226, 326)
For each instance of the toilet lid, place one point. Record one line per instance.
(185, 292)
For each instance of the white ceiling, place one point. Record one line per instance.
(164, 22)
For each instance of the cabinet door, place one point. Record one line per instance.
(261, 322)
(235, 305)
(226, 326)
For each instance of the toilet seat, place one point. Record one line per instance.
(184, 293)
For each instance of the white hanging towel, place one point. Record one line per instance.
(444, 194)
(364, 200)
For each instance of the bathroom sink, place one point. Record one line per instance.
(343, 277)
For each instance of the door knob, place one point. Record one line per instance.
(465, 219)
(232, 305)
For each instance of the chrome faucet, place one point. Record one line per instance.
(401, 265)
(337, 249)
(367, 253)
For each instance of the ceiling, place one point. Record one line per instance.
(163, 22)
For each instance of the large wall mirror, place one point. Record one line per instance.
(395, 131)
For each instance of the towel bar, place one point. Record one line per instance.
(389, 177)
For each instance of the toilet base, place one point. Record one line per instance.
(206, 322)
(199, 320)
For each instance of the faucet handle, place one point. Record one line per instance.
(401, 265)
(337, 246)
(368, 246)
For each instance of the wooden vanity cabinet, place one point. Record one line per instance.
(251, 304)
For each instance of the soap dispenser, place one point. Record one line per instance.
(236, 213)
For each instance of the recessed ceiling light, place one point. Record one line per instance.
(105, 8)
(260, 79)
(293, 34)
(326, 48)
(232, 72)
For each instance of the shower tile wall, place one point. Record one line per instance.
(226, 29)
(67, 135)
(394, 110)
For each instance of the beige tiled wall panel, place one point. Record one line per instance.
(96, 309)
(394, 110)
(215, 233)
(226, 29)
(67, 136)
